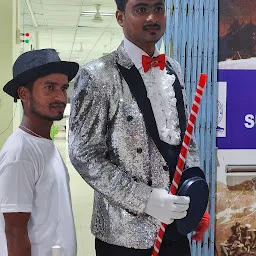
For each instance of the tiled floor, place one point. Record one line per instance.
(82, 198)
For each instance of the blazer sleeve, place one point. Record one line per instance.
(88, 148)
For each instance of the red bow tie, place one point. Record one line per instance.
(148, 62)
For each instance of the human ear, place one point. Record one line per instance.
(120, 18)
(23, 93)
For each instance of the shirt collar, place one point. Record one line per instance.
(135, 53)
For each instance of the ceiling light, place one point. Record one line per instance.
(92, 13)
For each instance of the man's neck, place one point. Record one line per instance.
(148, 48)
(41, 127)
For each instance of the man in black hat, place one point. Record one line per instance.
(35, 203)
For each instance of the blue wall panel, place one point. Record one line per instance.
(192, 39)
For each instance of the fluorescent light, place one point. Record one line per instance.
(92, 13)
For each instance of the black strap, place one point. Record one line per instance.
(139, 92)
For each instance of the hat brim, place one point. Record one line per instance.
(63, 67)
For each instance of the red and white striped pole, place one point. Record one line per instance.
(183, 153)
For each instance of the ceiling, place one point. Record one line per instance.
(58, 24)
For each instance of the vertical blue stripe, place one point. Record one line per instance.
(192, 28)
(187, 71)
(214, 117)
(183, 35)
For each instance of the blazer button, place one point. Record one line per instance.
(139, 150)
(129, 118)
(133, 214)
(166, 168)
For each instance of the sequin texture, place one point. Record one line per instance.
(110, 148)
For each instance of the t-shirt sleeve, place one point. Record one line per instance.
(17, 183)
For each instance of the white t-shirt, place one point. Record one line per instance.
(34, 178)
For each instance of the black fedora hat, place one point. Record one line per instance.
(34, 64)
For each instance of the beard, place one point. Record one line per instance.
(36, 110)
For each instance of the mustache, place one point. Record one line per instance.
(155, 25)
(58, 104)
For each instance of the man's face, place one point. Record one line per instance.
(48, 98)
(144, 21)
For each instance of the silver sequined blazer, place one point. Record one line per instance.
(111, 150)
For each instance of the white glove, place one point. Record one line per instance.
(166, 207)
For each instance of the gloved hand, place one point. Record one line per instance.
(201, 228)
(166, 207)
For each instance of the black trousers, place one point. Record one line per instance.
(168, 248)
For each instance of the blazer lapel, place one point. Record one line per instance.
(122, 57)
(139, 92)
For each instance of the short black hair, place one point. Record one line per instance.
(121, 4)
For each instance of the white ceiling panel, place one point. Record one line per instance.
(36, 2)
(75, 37)
(61, 7)
(110, 3)
(52, 22)
(62, 2)
(37, 9)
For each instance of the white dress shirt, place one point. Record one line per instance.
(160, 91)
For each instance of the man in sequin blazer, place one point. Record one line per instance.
(109, 142)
